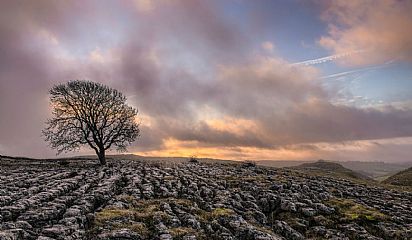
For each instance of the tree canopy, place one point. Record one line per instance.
(91, 114)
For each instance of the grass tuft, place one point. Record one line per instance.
(216, 213)
(180, 232)
(111, 214)
(351, 210)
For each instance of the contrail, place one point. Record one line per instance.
(327, 58)
(358, 70)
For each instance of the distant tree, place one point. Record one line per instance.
(91, 114)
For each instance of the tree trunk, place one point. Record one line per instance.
(102, 157)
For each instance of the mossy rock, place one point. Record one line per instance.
(139, 217)
(350, 210)
(180, 232)
(137, 227)
(111, 214)
(215, 214)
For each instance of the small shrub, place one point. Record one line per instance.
(193, 159)
(249, 164)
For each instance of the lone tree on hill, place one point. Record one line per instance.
(89, 113)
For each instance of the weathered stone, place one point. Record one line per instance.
(137, 200)
(308, 212)
(121, 234)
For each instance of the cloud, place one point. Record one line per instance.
(385, 150)
(379, 27)
(32, 35)
(193, 74)
(198, 26)
(23, 81)
(268, 46)
(265, 104)
(49, 42)
(144, 5)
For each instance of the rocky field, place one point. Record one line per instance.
(140, 200)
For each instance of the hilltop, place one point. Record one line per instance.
(375, 170)
(403, 178)
(330, 168)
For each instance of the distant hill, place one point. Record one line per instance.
(330, 168)
(281, 163)
(375, 170)
(403, 178)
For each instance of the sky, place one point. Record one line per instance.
(232, 79)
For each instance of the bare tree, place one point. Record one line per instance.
(89, 113)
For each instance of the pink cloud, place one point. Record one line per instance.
(380, 28)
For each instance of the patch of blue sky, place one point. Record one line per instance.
(293, 26)
(390, 84)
